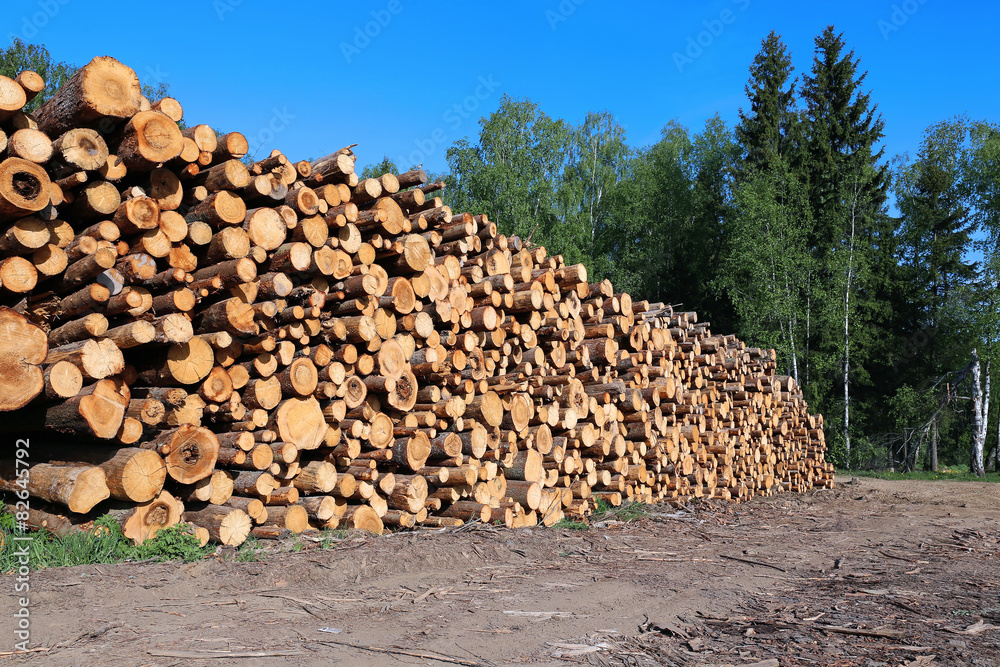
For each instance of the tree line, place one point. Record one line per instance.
(874, 278)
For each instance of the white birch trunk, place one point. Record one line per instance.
(979, 414)
(847, 334)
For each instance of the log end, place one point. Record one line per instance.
(23, 348)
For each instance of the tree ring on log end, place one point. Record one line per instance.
(23, 348)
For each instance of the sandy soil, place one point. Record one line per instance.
(871, 573)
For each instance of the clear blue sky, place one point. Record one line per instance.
(304, 77)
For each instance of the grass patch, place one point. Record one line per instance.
(627, 511)
(329, 539)
(605, 511)
(249, 551)
(104, 544)
(949, 473)
(569, 524)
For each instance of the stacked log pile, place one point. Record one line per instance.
(257, 347)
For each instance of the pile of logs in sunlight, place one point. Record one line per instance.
(258, 347)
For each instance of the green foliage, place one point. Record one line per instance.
(629, 510)
(104, 543)
(957, 473)
(173, 543)
(249, 551)
(569, 524)
(766, 270)
(386, 166)
(20, 56)
(511, 172)
(768, 134)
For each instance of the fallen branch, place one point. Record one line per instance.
(40, 649)
(202, 655)
(412, 654)
(840, 629)
(754, 562)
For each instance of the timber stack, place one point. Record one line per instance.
(265, 346)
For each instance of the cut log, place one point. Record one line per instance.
(78, 487)
(97, 411)
(23, 348)
(149, 139)
(316, 477)
(95, 359)
(30, 145)
(62, 380)
(412, 452)
(147, 519)
(12, 97)
(103, 88)
(300, 422)
(293, 518)
(184, 363)
(24, 188)
(190, 452)
(131, 473)
(226, 525)
(362, 517)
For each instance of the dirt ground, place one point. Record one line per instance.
(871, 573)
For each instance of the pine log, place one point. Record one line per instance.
(23, 348)
(131, 473)
(316, 477)
(149, 139)
(78, 487)
(24, 188)
(226, 525)
(362, 517)
(103, 88)
(146, 519)
(190, 452)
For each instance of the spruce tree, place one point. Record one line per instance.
(766, 267)
(842, 130)
(767, 132)
(850, 229)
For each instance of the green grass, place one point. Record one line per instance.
(957, 473)
(627, 511)
(249, 551)
(104, 544)
(605, 511)
(329, 539)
